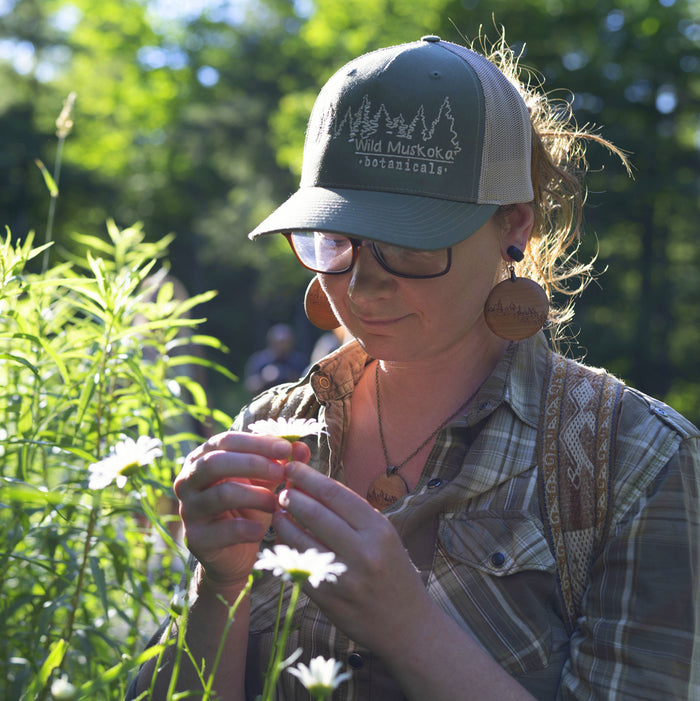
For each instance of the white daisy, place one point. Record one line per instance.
(289, 429)
(126, 457)
(321, 677)
(294, 566)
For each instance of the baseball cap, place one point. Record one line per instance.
(414, 145)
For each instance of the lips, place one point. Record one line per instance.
(375, 315)
(368, 321)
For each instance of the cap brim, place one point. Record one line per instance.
(403, 220)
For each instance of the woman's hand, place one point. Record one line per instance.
(381, 588)
(227, 497)
(380, 602)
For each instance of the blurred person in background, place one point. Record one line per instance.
(275, 364)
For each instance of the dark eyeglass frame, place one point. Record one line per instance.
(376, 252)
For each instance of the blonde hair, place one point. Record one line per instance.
(558, 169)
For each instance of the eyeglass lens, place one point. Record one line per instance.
(333, 253)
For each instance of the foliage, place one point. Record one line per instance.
(194, 124)
(92, 351)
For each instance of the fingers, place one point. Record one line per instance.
(225, 532)
(300, 452)
(319, 512)
(336, 497)
(230, 479)
(303, 523)
(232, 455)
(268, 446)
(225, 496)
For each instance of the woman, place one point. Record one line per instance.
(428, 175)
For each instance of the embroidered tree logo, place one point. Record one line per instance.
(365, 122)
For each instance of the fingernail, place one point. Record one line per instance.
(284, 499)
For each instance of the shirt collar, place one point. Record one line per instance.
(335, 376)
(517, 378)
(523, 388)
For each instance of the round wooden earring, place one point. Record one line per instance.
(318, 308)
(516, 308)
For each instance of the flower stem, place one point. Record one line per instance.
(279, 646)
(75, 603)
(280, 601)
(159, 661)
(52, 206)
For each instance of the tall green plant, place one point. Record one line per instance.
(95, 354)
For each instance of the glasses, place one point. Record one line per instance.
(334, 254)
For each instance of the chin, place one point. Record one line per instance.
(383, 348)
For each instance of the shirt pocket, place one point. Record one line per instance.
(495, 573)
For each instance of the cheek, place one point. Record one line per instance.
(461, 305)
(335, 286)
(336, 289)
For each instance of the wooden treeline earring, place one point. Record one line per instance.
(318, 308)
(517, 307)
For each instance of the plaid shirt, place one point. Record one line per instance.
(473, 528)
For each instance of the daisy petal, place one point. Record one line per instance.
(126, 457)
(290, 429)
(321, 677)
(292, 565)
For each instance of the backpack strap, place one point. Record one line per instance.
(575, 445)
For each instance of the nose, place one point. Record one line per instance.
(368, 279)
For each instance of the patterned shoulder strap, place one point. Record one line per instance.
(576, 440)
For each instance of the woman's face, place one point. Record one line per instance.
(399, 319)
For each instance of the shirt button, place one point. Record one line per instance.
(498, 559)
(324, 382)
(434, 483)
(355, 660)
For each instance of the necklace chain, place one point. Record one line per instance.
(393, 469)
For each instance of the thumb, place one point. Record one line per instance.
(300, 452)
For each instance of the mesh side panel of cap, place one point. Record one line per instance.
(505, 171)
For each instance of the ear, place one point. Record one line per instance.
(518, 224)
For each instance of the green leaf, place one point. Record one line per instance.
(194, 360)
(22, 361)
(88, 689)
(25, 422)
(99, 576)
(199, 340)
(85, 396)
(94, 242)
(50, 182)
(24, 493)
(119, 560)
(54, 659)
(44, 343)
(222, 418)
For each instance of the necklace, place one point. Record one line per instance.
(390, 486)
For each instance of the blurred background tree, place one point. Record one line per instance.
(190, 118)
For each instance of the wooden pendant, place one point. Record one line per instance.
(516, 308)
(318, 308)
(386, 489)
